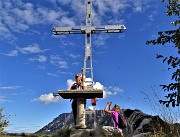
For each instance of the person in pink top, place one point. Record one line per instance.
(114, 113)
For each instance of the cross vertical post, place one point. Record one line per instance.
(88, 44)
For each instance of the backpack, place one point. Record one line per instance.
(74, 86)
(122, 123)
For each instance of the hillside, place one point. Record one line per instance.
(139, 122)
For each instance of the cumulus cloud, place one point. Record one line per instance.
(48, 98)
(107, 91)
(19, 16)
(98, 85)
(69, 83)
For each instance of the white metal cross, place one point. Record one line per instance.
(88, 30)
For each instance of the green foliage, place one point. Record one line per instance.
(171, 38)
(3, 121)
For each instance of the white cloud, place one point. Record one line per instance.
(98, 85)
(29, 49)
(3, 100)
(69, 83)
(75, 63)
(48, 98)
(33, 48)
(9, 87)
(152, 15)
(65, 21)
(12, 53)
(111, 90)
(138, 7)
(91, 107)
(101, 40)
(64, 73)
(106, 6)
(115, 8)
(58, 61)
(19, 16)
(118, 6)
(65, 42)
(145, 26)
(47, 15)
(40, 58)
(26, 13)
(64, 2)
(79, 9)
(74, 56)
(151, 18)
(52, 74)
(107, 91)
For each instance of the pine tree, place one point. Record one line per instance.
(3, 121)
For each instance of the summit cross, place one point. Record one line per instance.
(88, 30)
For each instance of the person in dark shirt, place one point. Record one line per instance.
(78, 85)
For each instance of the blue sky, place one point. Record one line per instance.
(34, 63)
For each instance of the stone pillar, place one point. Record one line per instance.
(80, 120)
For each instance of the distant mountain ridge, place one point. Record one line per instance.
(139, 122)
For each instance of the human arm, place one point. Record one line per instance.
(107, 108)
(84, 87)
(83, 84)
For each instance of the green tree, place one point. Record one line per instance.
(171, 38)
(3, 121)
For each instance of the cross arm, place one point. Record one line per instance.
(88, 29)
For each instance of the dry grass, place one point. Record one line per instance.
(167, 114)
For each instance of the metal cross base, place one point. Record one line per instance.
(81, 96)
